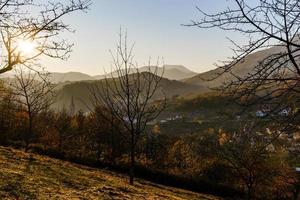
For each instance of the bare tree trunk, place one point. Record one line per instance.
(60, 142)
(132, 160)
(29, 134)
(249, 193)
(250, 189)
(30, 129)
(113, 143)
(297, 191)
(99, 151)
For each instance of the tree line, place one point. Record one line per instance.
(247, 163)
(256, 162)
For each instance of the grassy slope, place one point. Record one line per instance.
(25, 176)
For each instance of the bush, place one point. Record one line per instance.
(36, 148)
(219, 173)
(54, 153)
(18, 144)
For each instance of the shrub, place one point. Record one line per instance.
(54, 152)
(36, 148)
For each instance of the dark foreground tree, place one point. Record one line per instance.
(35, 23)
(34, 93)
(258, 163)
(7, 110)
(63, 123)
(131, 97)
(274, 80)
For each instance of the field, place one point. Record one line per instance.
(31, 176)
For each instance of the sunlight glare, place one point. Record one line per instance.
(26, 47)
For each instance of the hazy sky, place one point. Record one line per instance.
(155, 27)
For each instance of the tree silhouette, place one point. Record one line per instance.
(274, 80)
(130, 97)
(33, 94)
(38, 23)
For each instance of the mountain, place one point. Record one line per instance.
(80, 92)
(180, 68)
(172, 72)
(56, 77)
(211, 79)
(31, 176)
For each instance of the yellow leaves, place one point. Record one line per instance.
(156, 129)
(223, 137)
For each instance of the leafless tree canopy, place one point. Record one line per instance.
(34, 93)
(267, 24)
(34, 21)
(33, 89)
(250, 153)
(130, 97)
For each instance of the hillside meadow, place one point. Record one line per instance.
(30, 176)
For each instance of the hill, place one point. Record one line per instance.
(80, 92)
(211, 79)
(30, 176)
(172, 72)
(56, 77)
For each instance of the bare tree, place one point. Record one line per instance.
(63, 123)
(34, 94)
(7, 108)
(111, 145)
(275, 24)
(253, 157)
(131, 96)
(38, 23)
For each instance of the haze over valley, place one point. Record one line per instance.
(150, 100)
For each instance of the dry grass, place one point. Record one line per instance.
(31, 176)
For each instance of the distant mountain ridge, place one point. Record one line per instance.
(213, 79)
(178, 80)
(57, 77)
(172, 72)
(79, 93)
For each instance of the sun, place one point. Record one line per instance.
(25, 47)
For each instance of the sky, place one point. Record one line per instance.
(155, 26)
